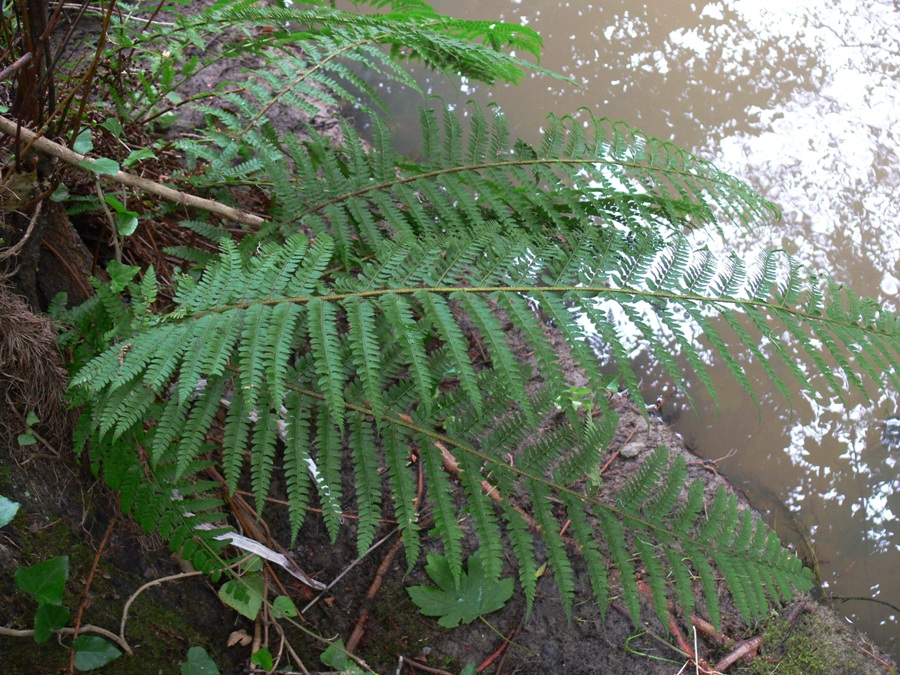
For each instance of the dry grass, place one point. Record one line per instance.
(32, 377)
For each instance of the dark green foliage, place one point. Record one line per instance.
(395, 328)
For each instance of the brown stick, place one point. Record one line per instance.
(744, 649)
(421, 666)
(15, 65)
(360, 627)
(708, 631)
(63, 153)
(500, 650)
(87, 588)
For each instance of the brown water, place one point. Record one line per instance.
(802, 99)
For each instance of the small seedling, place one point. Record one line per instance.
(27, 437)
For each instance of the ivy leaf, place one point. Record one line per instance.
(199, 663)
(45, 580)
(285, 606)
(8, 510)
(92, 652)
(477, 595)
(84, 142)
(47, 619)
(244, 595)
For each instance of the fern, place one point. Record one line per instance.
(343, 377)
(392, 336)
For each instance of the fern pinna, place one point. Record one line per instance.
(310, 365)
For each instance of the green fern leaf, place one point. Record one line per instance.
(367, 481)
(323, 338)
(299, 466)
(403, 491)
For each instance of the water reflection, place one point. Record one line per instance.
(802, 99)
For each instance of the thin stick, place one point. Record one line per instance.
(87, 588)
(149, 584)
(507, 641)
(87, 628)
(15, 65)
(380, 573)
(744, 649)
(422, 666)
(68, 156)
(13, 250)
(347, 570)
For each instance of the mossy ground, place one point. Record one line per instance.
(817, 643)
(64, 512)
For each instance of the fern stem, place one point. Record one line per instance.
(516, 163)
(647, 295)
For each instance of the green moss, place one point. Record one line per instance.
(815, 645)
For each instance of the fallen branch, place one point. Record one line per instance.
(10, 128)
(745, 649)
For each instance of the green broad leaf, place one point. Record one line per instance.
(47, 619)
(102, 166)
(263, 658)
(244, 595)
(336, 656)
(93, 652)
(199, 663)
(136, 156)
(285, 606)
(113, 126)
(470, 669)
(120, 275)
(45, 580)
(115, 203)
(84, 142)
(126, 223)
(31, 418)
(475, 597)
(8, 510)
(26, 439)
(60, 194)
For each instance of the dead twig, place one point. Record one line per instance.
(498, 652)
(13, 250)
(744, 649)
(360, 628)
(420, 666)
(709, 633)
(10, 128)
(375, 586)
(87, 588)
(15, 65)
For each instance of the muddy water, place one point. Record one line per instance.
(802, 99)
